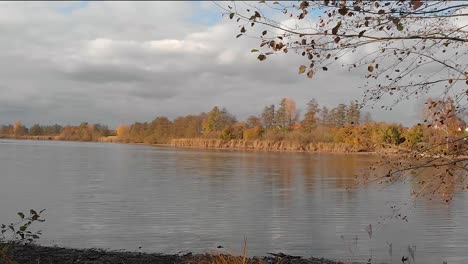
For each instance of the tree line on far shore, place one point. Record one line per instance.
(343, 124)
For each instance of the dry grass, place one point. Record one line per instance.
(224, 258)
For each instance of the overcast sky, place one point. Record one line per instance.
(121, 62)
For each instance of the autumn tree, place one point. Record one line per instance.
(189, 126)
(311, 116)
(36, 130)
(268, 116)
(217, 120)
(338, 115)
(6, 130)
(353, 114)
(286, 115)
(122, 131)
(19, 129)
(442, 114)
(253, 121)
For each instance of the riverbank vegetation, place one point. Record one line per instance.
(277, 128)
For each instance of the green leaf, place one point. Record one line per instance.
(254, 50)
(21, 215)
(261, 57)
(231, 15)
(33, 212)
(400, 27)
(302, 69)
(239, 35)
(23, 228)
(325, 68)
(276, 3)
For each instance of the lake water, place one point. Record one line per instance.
(117, 196)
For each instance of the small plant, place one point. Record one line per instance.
(18, 233)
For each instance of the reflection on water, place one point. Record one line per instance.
(170, 200)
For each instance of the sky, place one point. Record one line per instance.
(121, 62)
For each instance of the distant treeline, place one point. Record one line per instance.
(82, 132)
(343, 125)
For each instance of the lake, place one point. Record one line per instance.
(166, 200)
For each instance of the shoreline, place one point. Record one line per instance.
(33, 254)
(216, 148)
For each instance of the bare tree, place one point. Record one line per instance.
(403, 48)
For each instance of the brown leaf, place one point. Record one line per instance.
(370, 68)
(325, 68)
(361, 33)
(416, 4)
(242, 30)
(337, 39)
(304, 5)
(310, 73)
(261, 57)
(343, 11)
(335, 29)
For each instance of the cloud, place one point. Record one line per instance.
(120, 62)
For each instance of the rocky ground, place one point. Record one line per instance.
(33, 254)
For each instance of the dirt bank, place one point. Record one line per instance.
(34, 254)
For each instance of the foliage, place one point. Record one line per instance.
(253, 133)
(18, 233)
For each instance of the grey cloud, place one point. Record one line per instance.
(108, 74)
(51, 75)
